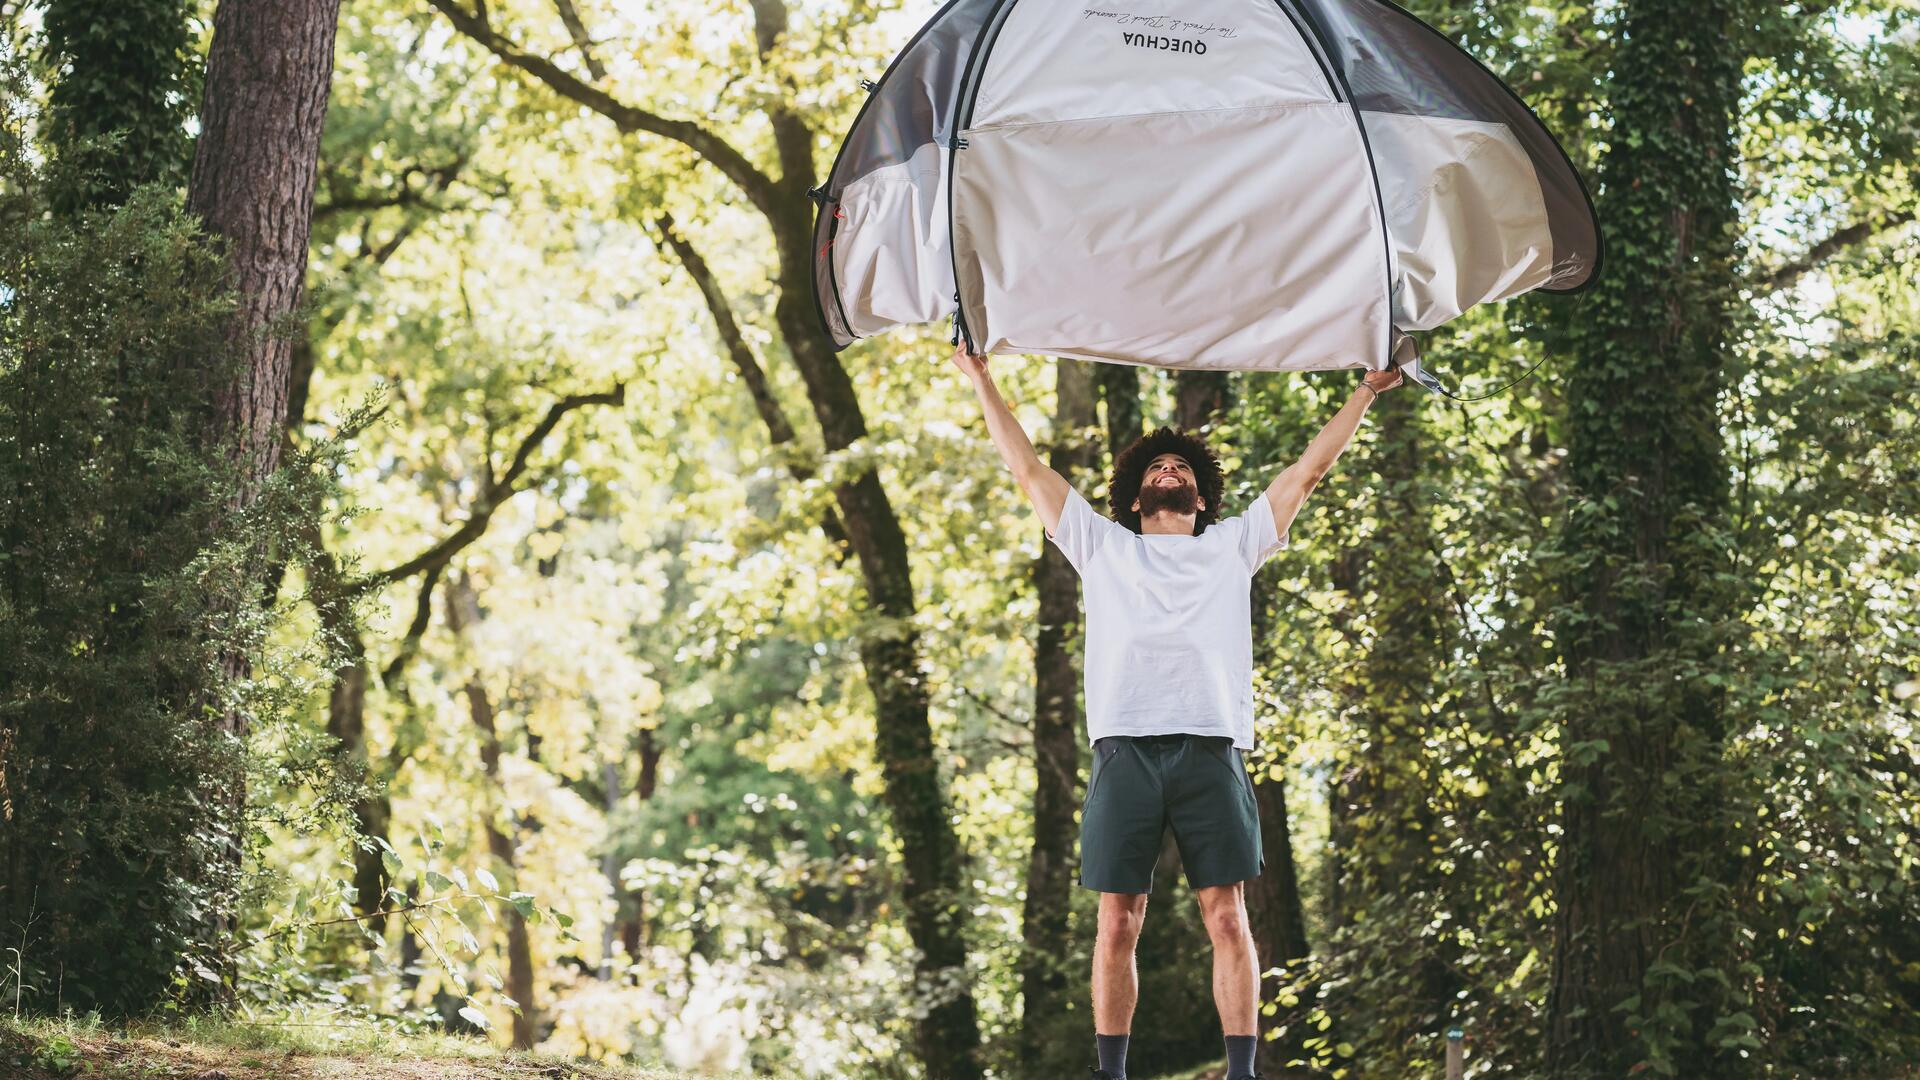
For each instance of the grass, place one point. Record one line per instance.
(227, 1049)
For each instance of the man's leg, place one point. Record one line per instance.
(1116, 984)
(1236, 977)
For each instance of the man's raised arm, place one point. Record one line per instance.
(1290, 489)
(1045, 489)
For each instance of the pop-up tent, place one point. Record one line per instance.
(1215, 184)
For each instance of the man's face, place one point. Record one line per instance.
(1169, 484)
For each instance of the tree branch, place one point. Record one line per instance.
(1788, 274)
(582, 41)
(779, 429)
(792, 138)
(498, 491)
(760, 189)
(416, 629)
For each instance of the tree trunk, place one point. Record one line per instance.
(1056, 731)
(462, 609)
(1200, 399)
(268, 72)
(1276, 912)
(1120, 393)
(1649, 483)
(500, 845)
(1389, 826)
(633, 927)
(948, 1036)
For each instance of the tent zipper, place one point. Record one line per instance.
(962, 115)
(822, 195)
(1337, 82)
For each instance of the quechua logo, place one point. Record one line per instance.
(1163, 43)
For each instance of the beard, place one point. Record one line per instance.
(1182, 500)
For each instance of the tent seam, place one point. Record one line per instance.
(1167, 112)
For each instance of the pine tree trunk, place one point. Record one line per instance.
(269, 68)
(268, 73)
(1056, 731)
(1649, 482)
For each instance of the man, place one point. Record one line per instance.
(1169, 687)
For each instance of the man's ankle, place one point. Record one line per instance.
(1113, 1054)
(1240, 1054)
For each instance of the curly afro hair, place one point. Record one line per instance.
(1130, 468)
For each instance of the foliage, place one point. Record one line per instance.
(669, 632)
(124, 583)
(124, 81)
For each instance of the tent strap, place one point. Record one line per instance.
(1406, 356)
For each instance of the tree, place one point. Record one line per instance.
(1057, 724)
(948, 1036)
(1642, 810)
(124, 76)
(268, 74)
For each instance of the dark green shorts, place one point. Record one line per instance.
(1143, 785)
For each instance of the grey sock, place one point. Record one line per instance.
(1240, 1050)
(1113, 1054)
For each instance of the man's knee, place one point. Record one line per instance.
(1121, 917)
(1226, 919)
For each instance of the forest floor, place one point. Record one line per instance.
(231, 1050)
(44, 1050)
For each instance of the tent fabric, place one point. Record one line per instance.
(880, 237)
(1252, 184)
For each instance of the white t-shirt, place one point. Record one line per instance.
(1169, 624)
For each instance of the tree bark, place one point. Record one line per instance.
(1200, 399)
(268, 73)
(1649, 483)
(265, 100)
(1056, 730)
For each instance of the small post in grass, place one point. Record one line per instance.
(1456, 1053)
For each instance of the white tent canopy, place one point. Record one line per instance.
(1249, 184)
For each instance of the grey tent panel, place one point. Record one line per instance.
(1396, 64)
(909, 112)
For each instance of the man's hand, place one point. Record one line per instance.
(970, 365)
(1382, 381)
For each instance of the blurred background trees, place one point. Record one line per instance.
(632, 676)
